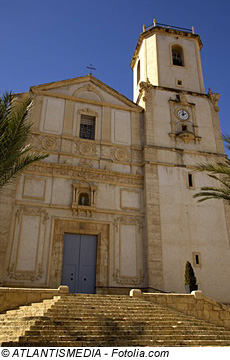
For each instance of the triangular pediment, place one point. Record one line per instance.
(86, 87)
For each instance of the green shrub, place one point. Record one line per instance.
(189, 276)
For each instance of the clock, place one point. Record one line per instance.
(182, 114)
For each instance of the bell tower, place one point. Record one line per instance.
(168, 57)
(181, 129)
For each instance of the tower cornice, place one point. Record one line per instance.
(145, 87)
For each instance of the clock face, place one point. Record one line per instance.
(182, 114)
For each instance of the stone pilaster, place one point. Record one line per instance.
(7, 196)
(154, 258)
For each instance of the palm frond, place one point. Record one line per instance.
(217, 168)
(226, 139)
(225, 180)
(15, 129)
(220, 172)
(207, 195)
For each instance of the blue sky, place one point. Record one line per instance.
(50, 40)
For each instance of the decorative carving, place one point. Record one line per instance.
(84, 148)
(82, 211)
(86, 208)
(144, 89)
(128, 280)
(186, 137)
(181, 98)
(45, 217)
(129, 221)
(183, 120)
(85, 163)
(49, 143)
(120, 154)
(32, 211)
(45, 170)
(88, 88)
(18, 214)
(88, 111)
(24, 275)
(214, 99)
(116, 224)
(87, 149)
(75, 172)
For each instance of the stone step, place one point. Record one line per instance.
(96, 300)
(124, 327)
(34, 307)
(98, 320)
(111, 306)
(125, 331)
(114, 314)
(112, 320)
(103, 318)
(10, 320)
(100, 341)
(119, 343)
(113, 337)
(88, 321)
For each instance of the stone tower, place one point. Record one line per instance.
(181, 129)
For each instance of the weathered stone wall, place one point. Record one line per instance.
(12, 298)
(194, 304)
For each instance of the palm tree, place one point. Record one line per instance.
(219, 172)
(15, 151)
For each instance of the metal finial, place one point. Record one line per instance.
(154, 22)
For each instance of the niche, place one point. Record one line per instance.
(84, 198)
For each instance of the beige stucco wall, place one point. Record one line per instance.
(169, 73)
(111, 165)
(154, 51)
(191, 227)
(157, 131)
(186, 227)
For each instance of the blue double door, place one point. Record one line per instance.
(79, 263)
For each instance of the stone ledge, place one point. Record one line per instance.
(12, 298)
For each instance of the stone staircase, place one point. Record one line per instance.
(105, 320)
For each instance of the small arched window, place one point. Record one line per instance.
(138, 71)
(177, 55)
(83, 199)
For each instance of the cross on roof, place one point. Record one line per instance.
(91, 68)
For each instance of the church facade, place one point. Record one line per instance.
(112, 207)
